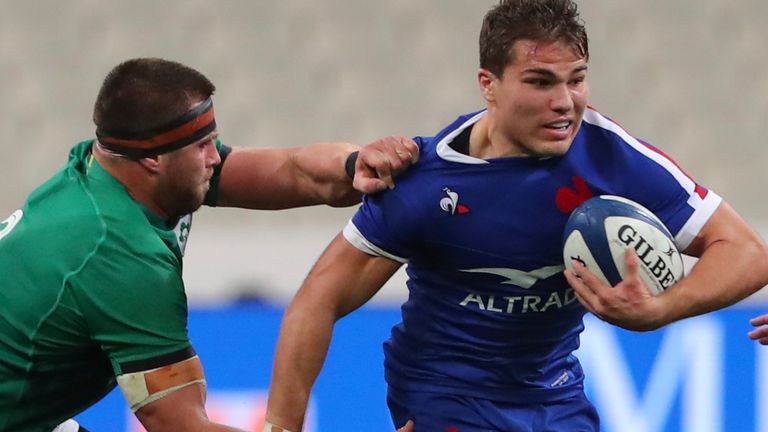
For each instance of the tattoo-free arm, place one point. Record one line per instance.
(733, 264)
(278, 178)
(342, 280)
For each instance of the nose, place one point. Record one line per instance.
(212, 154)
(562, 99)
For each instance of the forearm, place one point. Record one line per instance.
(182, 410)
(211, 427)
(343, 279)
(305, 335)
(727, 272)
(191, 425)
(321, 166)
(279, 178)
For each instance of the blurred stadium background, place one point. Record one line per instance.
(690, 77)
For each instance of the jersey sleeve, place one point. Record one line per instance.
(681, 203)
(212, 197)
(387, 224)
(135, 309)
(654, 180)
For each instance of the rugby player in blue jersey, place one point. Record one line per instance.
(491, 322)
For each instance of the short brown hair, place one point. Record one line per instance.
(538, 20)
(144, 93)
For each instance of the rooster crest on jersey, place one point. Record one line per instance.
(601, 229)
(450, 204)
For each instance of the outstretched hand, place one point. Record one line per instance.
(381, 160)
(629, 304)
(761, 333)
(407, 428)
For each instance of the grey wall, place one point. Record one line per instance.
(688, 76)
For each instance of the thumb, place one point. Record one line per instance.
(368, 185)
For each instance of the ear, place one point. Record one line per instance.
(151, 164)
(487, 82)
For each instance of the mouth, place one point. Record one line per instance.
(560, 125)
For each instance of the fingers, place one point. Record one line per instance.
(409, 147)
(583, 293)
(406, 152)
(574, 280)
(631, 264)
(588, 279)
(368, 184)
(758, 321)
(380, 161)
(628, 304)
(373, 171)
(384, 173)
(760, 335)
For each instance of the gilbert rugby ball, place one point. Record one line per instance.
(602, 228)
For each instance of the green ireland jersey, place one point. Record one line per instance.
(91, 288)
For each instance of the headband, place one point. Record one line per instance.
(183, 131)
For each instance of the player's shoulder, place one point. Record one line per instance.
(437, 152)
(60, 210)
(604, 136)
(120, 229)
(429, 145)
(599, 129)
(119, 218)
(437, 164)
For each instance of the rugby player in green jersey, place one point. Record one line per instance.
(91, 293)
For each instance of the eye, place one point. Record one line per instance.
(538, 82)
(577, 81)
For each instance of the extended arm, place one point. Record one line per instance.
(733, 264)
(342, 280)
(277, 178)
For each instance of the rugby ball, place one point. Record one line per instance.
(602, 228)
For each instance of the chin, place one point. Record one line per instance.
(552, 149)
(186, 210)
(560, 148)
(189, 205)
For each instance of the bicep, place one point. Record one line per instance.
(258, 178)
(278, 178)
(345, 278)
(724, 225)
(251, 178)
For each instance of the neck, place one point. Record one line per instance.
(487, 141)
(138, 182)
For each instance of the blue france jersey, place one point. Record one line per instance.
(489, 312)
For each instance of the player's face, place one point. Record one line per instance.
(538, 104)
(185, 176)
